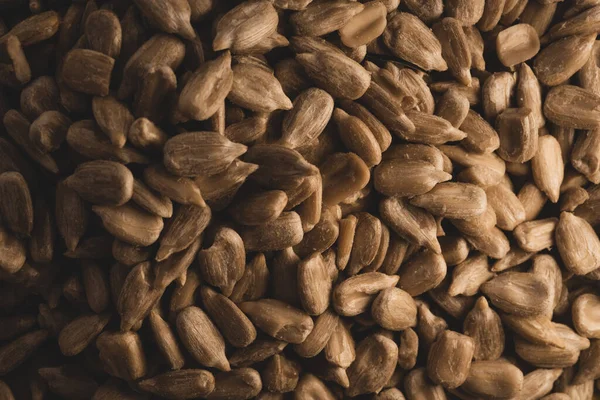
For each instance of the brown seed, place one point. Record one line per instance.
(517, 44)
(315, 342)
(235, 326)
(186, 226)
(202, 338)
(506, 205)
(532, 199)
(366, 242)
(279, 167)
(454, 107)
(575, 50)
(314, 285)
(254, 283)
(311, 112)
(423, 177)
(453, 200)
(183, 384)
(354, 295)
(497, 378)
(585, 320)
(259, 208)
(166, 341)
(348, 80)
(538, 330)
(484, 326)
(468, 276)
(529, 93)
(340, 348)
(258, 351)
(357, 137)
(253, 81)
(12, 252)
(179, 189)
(455, 49)
(155, 203)
(343, 175)
(171, 17)
(450, 345)
(80, 332)
(200, 153)
(578, 244)
(87, 71)
(69, 382)
(387, 108)
(416, 283)
(279, 319)
(548, 168)
(519, 293)
(285, 231)
(49, 130)
(565, 101)
(17, 351)
(103, 32)
(102, 182)
(281, 374)
(175, 266)
(320, 19)
(113, 117)
(16, 208)
(406, 32)
(410, 222)
(545, 356)
(71, 215)
(222, 265)
(394, 309)
(245, 26)
(365, 26)
(157, 85)
(588, 364)
(206, 88)
(365, 379)
(184, 295)
(122, 354)
(517, 130)
(129, 224)
(535, 236)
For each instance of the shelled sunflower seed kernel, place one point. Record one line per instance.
(299, 199)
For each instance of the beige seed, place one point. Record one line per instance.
(365, 379)
(455, 48)
(574, 50)
(506, 205)
(279, 319)
(394, 309)
(365, 26)
(415, 280)
(519, 293)
(585, 318)
(468, 276)
(453, 200)
(517, 44)
(494, 379)
(578, 244)
(354, 295)
(183, 384)
(485, 327)
(454, 346)
(535, 236)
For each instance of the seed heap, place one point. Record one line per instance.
(308, 199)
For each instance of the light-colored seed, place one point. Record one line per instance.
(354, 295)
(453, 200)
(314, 285)
(585, 315)
(183, 384)
(506, 205)
(365, 379)
(535, 236)
(577, 243)
(519, 293)
(450, 345)
(455, 48)
(574, 50)
(245, 26)
(394, 309)
(497, 378)
(517, 44)
(316, 341)
(410, 222)
(416, 283)
(365, 26)
(345, 78)
(532, 199)
(404, 33)
(130, 224)
(518, 132)
(547, 167)
(186, 226)
(469, 275)
(485, 327)
(279, 319)
(496, 94)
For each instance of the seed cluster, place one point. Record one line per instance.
(307, 199)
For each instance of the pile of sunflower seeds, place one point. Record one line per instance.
(299, 199)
